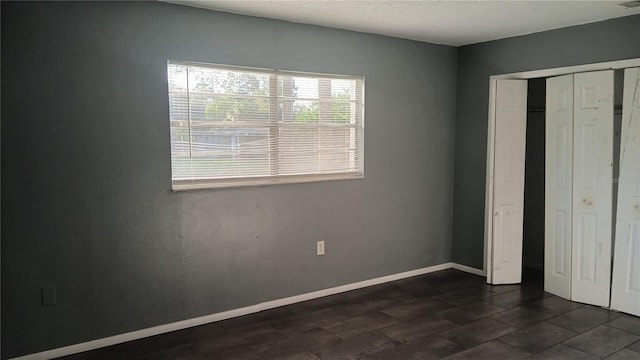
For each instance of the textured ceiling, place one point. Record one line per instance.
(442, 22)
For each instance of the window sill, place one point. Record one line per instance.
(201, 184)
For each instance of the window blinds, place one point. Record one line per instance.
(231, 126)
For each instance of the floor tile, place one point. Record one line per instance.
(297, 356)
(521, 296)
(305, 321)
(538, 337)
(241, 338)
(295, 343)
(635, 346)
(490, 350)
(377, 292)
(584, 318)
(467, 313)
(624, 354)
(204, 331)
(460, 284)
(422, 349)
(316, 304)
(418, 328)
(186, 352)
(602, 341)
(558, 304)
(355, 347)
(627, 323)
(416, 309)
(562, 352)
(448, 275)
(499, 289)
(235, 354)
(359, 306)
(441, 282)
(476, 332)
(261, 317)
(175, 339)
(414, 281)
(524, 315)
(361, 324)
(415, 290)
(464, 296)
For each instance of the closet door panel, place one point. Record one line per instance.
(625, 294)
(508, 191)
(592, 187)
(558, 185)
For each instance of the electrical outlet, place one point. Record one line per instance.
(320, 248)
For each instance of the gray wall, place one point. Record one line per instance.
(603, 41)
(86, 176)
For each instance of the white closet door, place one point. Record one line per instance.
(558, 186)
(625, 295)
(508, 192)
(592, 187)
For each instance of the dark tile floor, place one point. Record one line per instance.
(444, 315)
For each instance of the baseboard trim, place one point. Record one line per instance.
(468, 269)
(184, 324)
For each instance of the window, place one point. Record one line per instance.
(235, 126)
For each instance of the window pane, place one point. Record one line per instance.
(219, 108)
(317, 150)
(299, 111)
(223, 153)
(221, 81)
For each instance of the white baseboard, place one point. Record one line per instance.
(184, 324)
(468, 269)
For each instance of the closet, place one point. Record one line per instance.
(579, 213)
(578, 198)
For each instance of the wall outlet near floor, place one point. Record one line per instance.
(320, 248)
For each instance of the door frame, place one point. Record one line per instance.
(489, 180)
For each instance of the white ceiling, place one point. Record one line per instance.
(443, 22)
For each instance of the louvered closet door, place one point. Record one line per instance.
(592, 187)
(625, 294)
(558, 186)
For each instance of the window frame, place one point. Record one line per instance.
(274, 125)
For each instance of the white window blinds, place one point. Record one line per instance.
(235, 126)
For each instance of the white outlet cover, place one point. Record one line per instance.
(320, 248)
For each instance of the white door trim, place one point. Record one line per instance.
(524, 75)
(488, 211)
